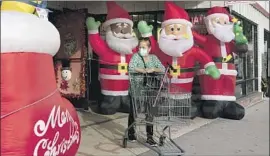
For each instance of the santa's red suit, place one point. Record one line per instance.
(222, 89)
(218, 99)
(113, 72)
(35, 119)
(183, 72)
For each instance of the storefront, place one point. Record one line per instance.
(249, 66)
(266, 60)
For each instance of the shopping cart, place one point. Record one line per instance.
(159, 103)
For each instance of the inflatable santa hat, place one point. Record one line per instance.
(175, 15)
(116, 14)
(218, 12)
(36, 119)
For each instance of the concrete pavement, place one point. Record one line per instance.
(248, 137)
(102, 135)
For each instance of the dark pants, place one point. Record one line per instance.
(131, 131)
(109, 105)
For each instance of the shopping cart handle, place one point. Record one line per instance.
(171, 67)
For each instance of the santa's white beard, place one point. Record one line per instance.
(122, 46)
(224, 33)
(175, 48)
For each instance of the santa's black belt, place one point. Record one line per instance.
(221, 60)
(110, 66)
(184, 70)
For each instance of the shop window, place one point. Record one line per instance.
(239, 90)
(239, 65)
(250, 34)
(247, 67)
(266, 56)
(250, 86)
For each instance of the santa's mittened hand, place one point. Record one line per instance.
(213, 72)
(145, 29)
(92, 24)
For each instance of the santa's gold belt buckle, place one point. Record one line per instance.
(227, 59)
(122, 67)
(176, 71)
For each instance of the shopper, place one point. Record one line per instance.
(143, 62)
(264, 85)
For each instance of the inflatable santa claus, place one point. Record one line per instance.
(114, 55)
(35, 119)
(176, 47)
(218, 99)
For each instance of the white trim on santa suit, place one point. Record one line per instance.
(123, 60)
(113, 77)
(222, 71)
(218, 97)
(147, 34)
(181, 80)
(92, 32)
(177, 80)
(114, 93)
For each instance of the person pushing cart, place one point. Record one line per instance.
(155, 103)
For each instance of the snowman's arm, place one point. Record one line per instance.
(199, 39)
(99, 46)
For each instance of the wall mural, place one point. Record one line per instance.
(71, 27)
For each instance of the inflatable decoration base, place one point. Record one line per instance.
(35, 119)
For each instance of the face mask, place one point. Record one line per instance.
(143, 52)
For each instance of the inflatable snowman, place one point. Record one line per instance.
(35, 119)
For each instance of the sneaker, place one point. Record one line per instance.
(132, 138)
(151, 141)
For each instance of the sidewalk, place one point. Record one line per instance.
(102, 135)
(247, 137)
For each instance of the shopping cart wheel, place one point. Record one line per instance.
(162, 140)
(125, 142)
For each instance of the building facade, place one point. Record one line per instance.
(255, 18)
